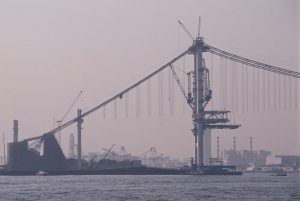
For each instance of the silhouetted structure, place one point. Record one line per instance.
(43, 154)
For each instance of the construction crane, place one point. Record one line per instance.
(108, 151)
(186, 30)
(181, 87)
(59, 122)
(153, 155)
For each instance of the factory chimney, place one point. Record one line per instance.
(234, 143)
(16, 130)
(251, 144)
(72, 146)
(218, 147)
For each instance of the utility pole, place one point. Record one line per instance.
(79, 128)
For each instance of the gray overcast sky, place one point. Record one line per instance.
(50, 50)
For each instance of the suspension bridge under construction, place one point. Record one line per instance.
(277, 86)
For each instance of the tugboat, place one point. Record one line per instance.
(251, 168)
(41, 173)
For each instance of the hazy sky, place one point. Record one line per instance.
(50, 50)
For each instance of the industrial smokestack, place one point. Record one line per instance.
(251, 144)
(72, 146)
(234, 143)
(16, 130)
(218, 147)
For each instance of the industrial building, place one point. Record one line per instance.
(289, 160)
(44, 154)
(244, 158)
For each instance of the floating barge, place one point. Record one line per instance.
(114, 171)
(205, 170)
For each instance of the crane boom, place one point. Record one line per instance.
(179, 84)
(59, 122)
(108, 151)
(186, 30)
(71, 106)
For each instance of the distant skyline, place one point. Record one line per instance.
(50, 50)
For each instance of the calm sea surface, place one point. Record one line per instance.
(245, 187)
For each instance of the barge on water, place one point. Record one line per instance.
(143, 170)
(208, 170)
(113, 171)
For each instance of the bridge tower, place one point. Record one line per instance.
(201, 95)
(198, 94)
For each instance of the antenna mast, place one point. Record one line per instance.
(199, 26)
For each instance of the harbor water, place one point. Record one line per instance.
(251, 186)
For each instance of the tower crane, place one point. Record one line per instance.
(59, 122)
